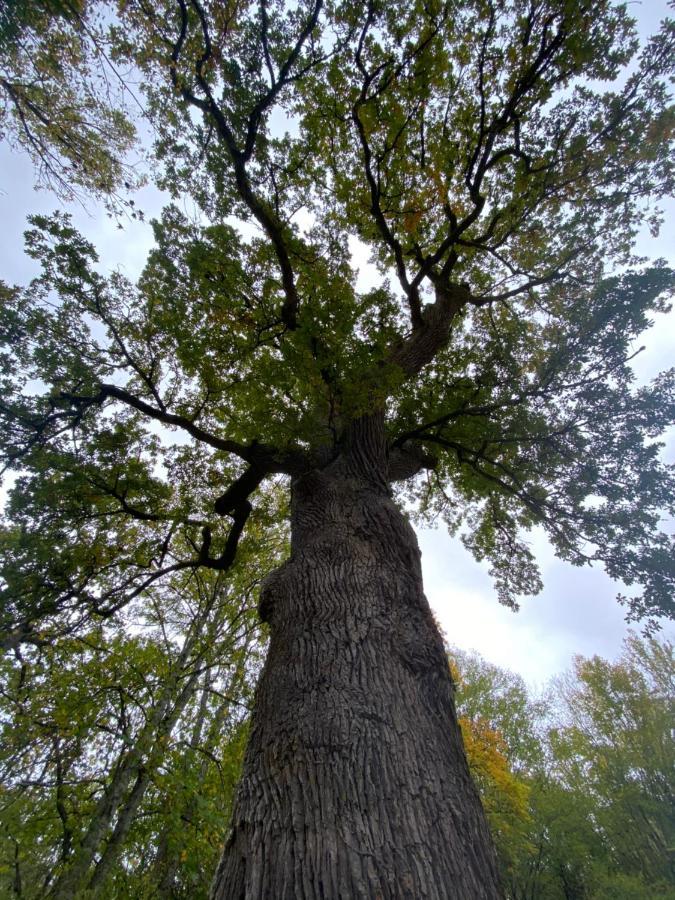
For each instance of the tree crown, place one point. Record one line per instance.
(497, 165)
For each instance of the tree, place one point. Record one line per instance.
(499, 724)
(615, 743)
(477, 150)
(115, 743)
(585, 811)
(485, 692)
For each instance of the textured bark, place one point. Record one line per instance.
(355, 782)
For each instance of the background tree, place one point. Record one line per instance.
(485, 692)
(615, 741)
(122, 744)
(594, 818)
(503, 733)
(499, 181)
(63, 100)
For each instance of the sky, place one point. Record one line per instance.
(576, 613)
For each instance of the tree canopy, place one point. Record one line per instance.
(63, 101)
(496, 162)
(121, 746)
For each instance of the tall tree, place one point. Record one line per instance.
(614, 742)
(105, 731)
(478, 150)
(586, 810)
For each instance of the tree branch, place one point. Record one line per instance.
(272, 460)
(420, 347)
(259, 209)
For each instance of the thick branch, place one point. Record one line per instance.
(418, 349)
(240, 490)
(290, 461)
(239, 516)
(407, 460)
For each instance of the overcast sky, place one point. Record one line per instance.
(575, 614)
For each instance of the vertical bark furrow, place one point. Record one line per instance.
(355, 784)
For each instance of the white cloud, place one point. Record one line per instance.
(576, 613)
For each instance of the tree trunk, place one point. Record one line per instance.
(355, 782)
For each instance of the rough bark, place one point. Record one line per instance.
(355, 782)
